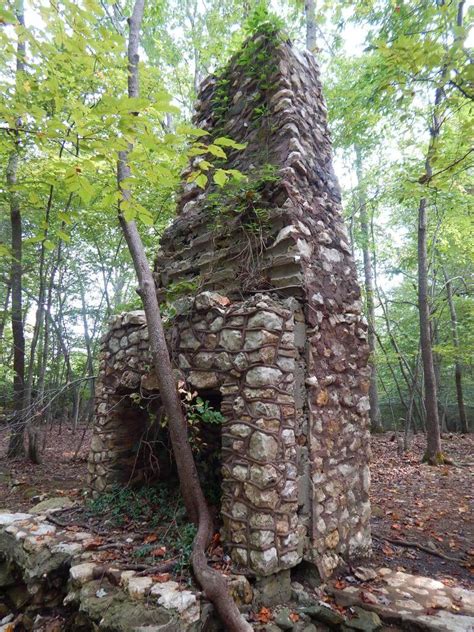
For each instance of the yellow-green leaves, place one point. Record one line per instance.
(134, 211)
(220, 177)
(4, 251)
(200, 180)
(228, 142)
(217, 151)
(75, 182)
(62, 235)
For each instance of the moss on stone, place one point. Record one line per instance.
(437, 459)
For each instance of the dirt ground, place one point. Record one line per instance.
(422, 516)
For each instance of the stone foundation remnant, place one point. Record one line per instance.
(266, 324)
(49, 573)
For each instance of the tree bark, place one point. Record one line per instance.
(375, 418)
(16, 446)
(433, 454)
(457, 364)
(212, 582)
(87, 339)
(408, 420)
(310, 15)
(39, 317)
(47, 323)
(6, 302)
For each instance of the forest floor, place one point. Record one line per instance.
(423, 506)
(421, 516)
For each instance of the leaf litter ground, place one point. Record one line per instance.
(415, 507)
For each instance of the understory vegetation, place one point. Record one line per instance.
(158, 511)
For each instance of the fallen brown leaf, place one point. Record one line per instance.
(159, 552)
(152, 537)
(264, 615)
(161, 577)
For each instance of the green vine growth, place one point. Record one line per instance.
(245, 200)
(264, 32)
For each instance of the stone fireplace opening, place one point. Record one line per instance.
(206, 438)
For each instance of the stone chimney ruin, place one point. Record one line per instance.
(264, 323)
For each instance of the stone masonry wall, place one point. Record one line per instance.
(279, 253)
(245, 351)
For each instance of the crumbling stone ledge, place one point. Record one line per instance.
(45, 567)
(413, 602)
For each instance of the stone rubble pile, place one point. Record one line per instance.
(414, 602)
(43, 567)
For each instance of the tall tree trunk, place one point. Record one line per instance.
(411, 400)
(433, 454)
(42, 362)
(39, 317)
(457, 364)
(88, 341)
(310, 16)
(16, 446)
(4, 359)
(105, 278)
(437, 360)
(29, 400)
(375, 418)
(212, 582)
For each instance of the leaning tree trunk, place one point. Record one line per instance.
(457, 365)
(375, 418)
(16, 446)
(212, 582)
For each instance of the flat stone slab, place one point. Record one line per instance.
(7, 519)
(52, 504)
(413, 601)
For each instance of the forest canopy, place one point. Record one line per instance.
(397, 78)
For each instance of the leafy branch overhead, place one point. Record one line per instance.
(214, 150)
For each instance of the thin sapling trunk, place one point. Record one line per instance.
(212, 582)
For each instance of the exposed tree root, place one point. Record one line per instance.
(213, 582)
(415, 545)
